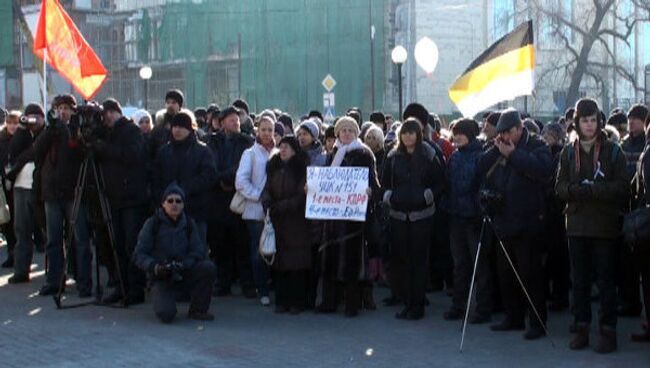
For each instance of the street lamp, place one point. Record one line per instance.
(145, 75)
(399, 55)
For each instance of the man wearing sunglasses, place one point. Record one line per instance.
(171, 251)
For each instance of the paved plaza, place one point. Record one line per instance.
(33, 333)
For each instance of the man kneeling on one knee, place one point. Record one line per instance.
(171, 251)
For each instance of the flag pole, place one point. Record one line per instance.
(45, 78)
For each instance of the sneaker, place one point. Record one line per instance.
(18, 279)
(265, 301)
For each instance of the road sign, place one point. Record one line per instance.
(328, 83)
(328, 99)
(329, 114)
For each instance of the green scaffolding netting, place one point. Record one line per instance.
(287, 48)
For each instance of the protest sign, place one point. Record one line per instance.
(337, 193)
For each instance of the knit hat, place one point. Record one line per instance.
(111, 104)
(228, 111)
(346, 122)
(311, 127)
(279, 129)
(183, 120)
(508, 119)
(173, 188)
(241, 104)
(493, 118)
(138, 115)
(416, 110)
(200, 112)
(617, 119)
(34, 109)
(176, 95)
(638, 111)
(556, 130)
(292, 142)
(467, 127)
(269, 114)
(65, 100)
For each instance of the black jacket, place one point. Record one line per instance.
(520, 179)
(227, 152)
(412, 181)
(5, 140)
(191, 165)
(122, 157)
(60, 155)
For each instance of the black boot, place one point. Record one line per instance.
(581, 338)
(606, 341)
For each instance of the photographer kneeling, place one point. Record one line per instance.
(170, 249)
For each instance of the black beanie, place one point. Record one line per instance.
(416, 110)
(493, 118)
(467, 127)
(241, 104)
(112, 104)
(638, 111)
(183, 120)
(34, 109)
(176, 95)
(508, 119)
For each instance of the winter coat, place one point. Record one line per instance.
(60, 155)
(284, 196)
(121, 154)
(5, 140)
(411, 182)
(190, 163)
(345, 256)
(21, 151)
(463, 181)
(633, 147)
(227, 151)
(316, 153)
(162, 240)
(159, 136)
(251, 178)
(520, 180)
(599, 216)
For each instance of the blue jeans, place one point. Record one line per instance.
(260, 273)
(55, 214)
(24, 228)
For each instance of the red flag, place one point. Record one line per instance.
(67, 50)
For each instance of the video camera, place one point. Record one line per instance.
(491, 201)
(89, 119)
(24, 120)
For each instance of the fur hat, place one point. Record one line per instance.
(346, 122)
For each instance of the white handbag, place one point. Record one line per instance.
(238, 202)
(267, 241)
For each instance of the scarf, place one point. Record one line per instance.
(343, 149)
(587, 145)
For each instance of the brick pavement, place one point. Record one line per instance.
(34, 334)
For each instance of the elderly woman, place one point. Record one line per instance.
(284, 197)
(410, 180)
(250, 181)
(345, 256)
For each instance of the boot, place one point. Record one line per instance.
(367, 300)
(581, 338)
(606, 341)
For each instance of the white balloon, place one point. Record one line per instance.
(426, 54)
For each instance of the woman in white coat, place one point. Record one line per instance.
(250, 180)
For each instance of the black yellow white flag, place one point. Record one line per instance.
(504, 71)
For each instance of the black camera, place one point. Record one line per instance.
(175, 269)
(89, 119)
(491, 201)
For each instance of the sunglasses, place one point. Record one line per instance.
(174, 200)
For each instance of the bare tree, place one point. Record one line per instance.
(591, 29)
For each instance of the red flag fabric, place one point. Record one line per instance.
(67, 50)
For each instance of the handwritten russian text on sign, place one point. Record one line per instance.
(337, 193)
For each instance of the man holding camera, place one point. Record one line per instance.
(59, 150)
(121, 155)
(516, 169)
(172, 252)
(22, 173)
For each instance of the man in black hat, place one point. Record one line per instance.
(189, 162)
(59, 149)
(22, 173)
(228, 234)
(515, 171)
(120, 152)
(161, 133)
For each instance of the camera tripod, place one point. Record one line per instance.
(98, 182)
(487, 221)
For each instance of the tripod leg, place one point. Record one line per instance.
(471, 285)
(523, 288)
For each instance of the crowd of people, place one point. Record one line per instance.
(544, 203)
